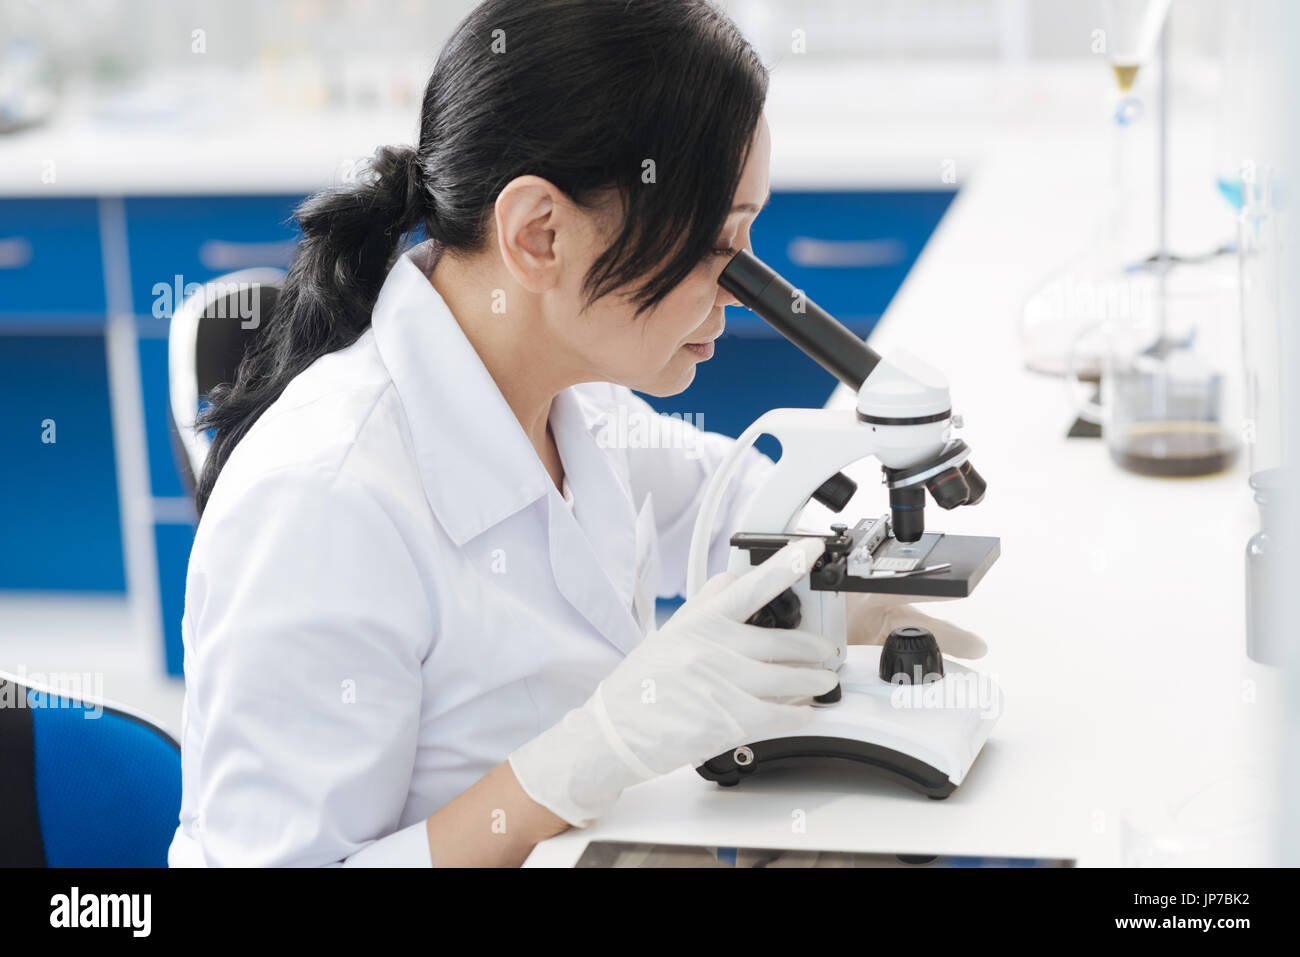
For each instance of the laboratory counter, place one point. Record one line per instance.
(1135, 728)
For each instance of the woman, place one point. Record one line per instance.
(419, 620)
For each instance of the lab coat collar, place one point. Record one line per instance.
(476, 464)
(594, 549)
(600, 486)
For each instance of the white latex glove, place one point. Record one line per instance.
(871, 616)
(702, 684)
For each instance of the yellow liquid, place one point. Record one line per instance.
(1125, 74)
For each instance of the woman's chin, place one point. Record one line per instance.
(672, 381)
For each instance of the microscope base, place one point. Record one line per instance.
(924, 736)
(812, 752)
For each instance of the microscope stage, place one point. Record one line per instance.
(969, 557)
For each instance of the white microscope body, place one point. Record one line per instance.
(924, 728)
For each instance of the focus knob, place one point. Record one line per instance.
(781, 612)
(910, 656)
(836, 491)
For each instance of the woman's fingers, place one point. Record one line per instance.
(871, 622)
(955, 640)
(757, 587)
(793, 645)
(782, 684)
(714, 585)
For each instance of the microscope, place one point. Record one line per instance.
(900, 708)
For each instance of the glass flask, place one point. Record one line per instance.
(1170, 400)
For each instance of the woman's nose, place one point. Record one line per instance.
(726, 299)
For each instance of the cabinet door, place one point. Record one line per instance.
(164, 473)
(174, 518)
(172, 543)
(51, 265)
(848, 251)
(178, 240)
(59, 516)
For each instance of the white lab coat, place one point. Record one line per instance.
(387, 594)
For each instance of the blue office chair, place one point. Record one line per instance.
(83, 785)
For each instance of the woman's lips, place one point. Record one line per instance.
(704, 349)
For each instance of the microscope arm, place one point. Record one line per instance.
(815, 444)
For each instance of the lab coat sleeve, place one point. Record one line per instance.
(308, 626)
(675, 470)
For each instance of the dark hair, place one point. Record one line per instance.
(579, 92)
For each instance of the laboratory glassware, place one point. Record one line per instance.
(1170, 398)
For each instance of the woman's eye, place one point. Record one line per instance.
(727, 250)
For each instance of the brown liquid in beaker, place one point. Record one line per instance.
(1175, 449)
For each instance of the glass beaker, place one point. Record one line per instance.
(1170, 402)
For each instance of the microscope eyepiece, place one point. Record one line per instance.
(817, 333)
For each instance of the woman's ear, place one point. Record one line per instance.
(530, 212)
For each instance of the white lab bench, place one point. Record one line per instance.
(1115, 614)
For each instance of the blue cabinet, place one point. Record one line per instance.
(164, 476)
(849, 251)
(59, 515)
(174, 520)
(51, 265)
(172, 542)
(178, 240)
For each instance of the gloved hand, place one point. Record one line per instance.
(703, 683)
(871, 616)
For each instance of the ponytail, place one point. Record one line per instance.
(350, 236)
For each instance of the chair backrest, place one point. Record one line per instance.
(83, 784)
(205, 343)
